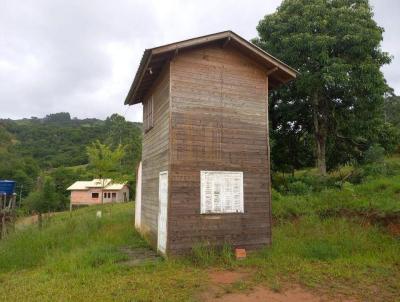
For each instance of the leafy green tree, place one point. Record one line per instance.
(335, 45)
(392, 110)
(388, 136)
(44, 199)
(122, 132)
(104, 161)
(61, 117)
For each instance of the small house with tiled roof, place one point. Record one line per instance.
(98, 191)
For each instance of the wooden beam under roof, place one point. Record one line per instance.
(159, 55)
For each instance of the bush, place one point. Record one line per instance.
(374, 154)
(299, 188)
(389, 137)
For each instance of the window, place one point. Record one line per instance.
(105, 195)
(148, 115)
(114, 195)
(109, 195)
(95, 195)
(221, 192)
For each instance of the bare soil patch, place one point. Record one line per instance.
(264, 294)
(236, 286)
(227, 277)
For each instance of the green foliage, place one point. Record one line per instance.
(377, 195)
(23, 170)
(65, 235)
(325, 254)
(205, 255)
(52, 143)
(57, 140)
(56, 144)
(103, 160)
(120, 132)
(375, 154)
(322, 248)
(44, 198)
(388, 136)
(298, 188)
(58, 118)
(337, 100)
(392, 110)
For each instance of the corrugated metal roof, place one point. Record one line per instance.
(114, 186)
(96, 183)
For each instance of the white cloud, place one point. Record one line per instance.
(81, 56)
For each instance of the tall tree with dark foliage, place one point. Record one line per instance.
(338, 97)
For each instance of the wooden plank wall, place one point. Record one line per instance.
(218, 122)
(155, 155)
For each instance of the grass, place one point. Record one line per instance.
(78, 257)
(332, 255)
(380, 196)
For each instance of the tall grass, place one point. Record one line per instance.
(78, 258)
(204, 255)
(380, 195)
(64, 233)
(333, 255)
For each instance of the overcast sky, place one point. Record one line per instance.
(81, 56)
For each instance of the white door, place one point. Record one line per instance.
(162, 211)
(138, 199)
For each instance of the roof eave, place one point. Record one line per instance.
(144, 62)
(148, 53)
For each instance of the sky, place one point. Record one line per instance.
(81, 56)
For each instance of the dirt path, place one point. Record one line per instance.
(23, 222)
(225, 287)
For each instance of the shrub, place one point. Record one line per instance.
(299, 188)
(348, 187)
(374, 154)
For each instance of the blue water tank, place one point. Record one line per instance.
(7, 187)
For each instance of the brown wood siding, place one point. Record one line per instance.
(218, 122)
(155, 155)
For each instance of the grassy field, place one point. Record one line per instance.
(328, 242)
(78, 259)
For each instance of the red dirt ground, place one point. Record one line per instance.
(227, 277)
(264, 294)
(220, 280)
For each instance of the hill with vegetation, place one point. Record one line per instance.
(56, 146)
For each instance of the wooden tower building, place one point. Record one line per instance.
(205, 160)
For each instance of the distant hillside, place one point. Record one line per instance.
(31, 146)
(57, 140)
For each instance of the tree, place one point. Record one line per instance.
(60, 117)
(122, 132)
(105, 161)
(392, 110)
(335, 45)
(44, 199)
